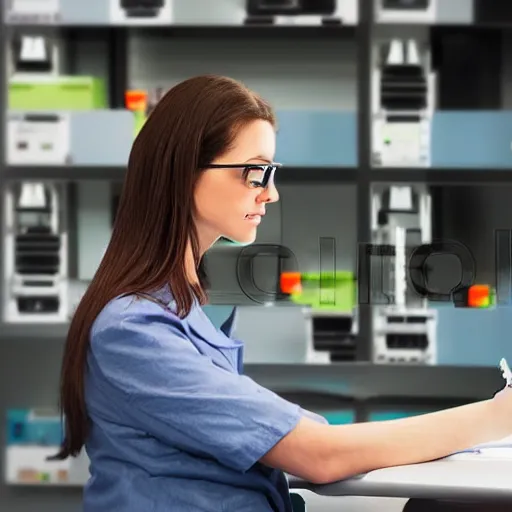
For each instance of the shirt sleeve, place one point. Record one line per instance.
(314, 416)
(180, 396)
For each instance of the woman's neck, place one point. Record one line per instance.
(205, 240)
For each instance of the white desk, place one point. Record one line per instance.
(465, 477)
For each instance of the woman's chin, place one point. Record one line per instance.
(243, 238)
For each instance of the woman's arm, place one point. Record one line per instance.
(326, 453)
(167, 388)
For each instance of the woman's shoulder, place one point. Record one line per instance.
(133, 309)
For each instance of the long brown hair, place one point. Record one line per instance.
(195, 122)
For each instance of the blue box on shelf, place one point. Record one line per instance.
(466, 139)
(459, 335)
(316, 138)
(90, 130)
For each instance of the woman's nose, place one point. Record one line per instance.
(269, 194)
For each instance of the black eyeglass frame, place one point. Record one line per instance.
(268, 169)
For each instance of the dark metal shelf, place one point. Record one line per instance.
(445, 27)
(348, 175)
(446, 176)
(380, 383)
(63, 173)
(291, 174)
(206, 31)
(250, 30)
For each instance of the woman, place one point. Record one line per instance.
(156, 393)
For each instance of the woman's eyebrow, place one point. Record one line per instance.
(259, 157)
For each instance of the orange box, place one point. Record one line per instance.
(136, 100)
(479, 296)
(290, 282)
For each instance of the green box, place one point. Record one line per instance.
(327, 291)
(57, 93)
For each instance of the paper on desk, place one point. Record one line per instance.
(501, 448)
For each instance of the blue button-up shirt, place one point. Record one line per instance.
(175, 425)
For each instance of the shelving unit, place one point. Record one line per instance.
(363, 175)
(288, 175)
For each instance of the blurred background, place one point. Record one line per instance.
(395, 130)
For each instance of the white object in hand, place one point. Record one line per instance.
(505, 370)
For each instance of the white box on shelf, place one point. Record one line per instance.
(30, 465)
(38, 138)
(43, 12)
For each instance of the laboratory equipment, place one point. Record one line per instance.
(302, 12)
(403, 102)
(142, 8)
(152, 12)
(334, 334)
(406, 11)
(291, 7)
(404, 326)
(35, 253)
(33, 53)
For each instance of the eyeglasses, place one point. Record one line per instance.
(254, 175)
